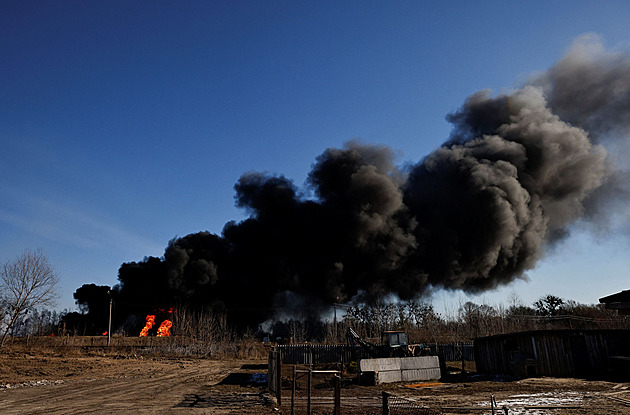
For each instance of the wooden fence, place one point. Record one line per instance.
(559, 353)
(453, 352)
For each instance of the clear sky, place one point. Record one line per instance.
(126, 123)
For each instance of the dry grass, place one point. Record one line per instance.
(126, 346)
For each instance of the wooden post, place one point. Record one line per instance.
(385, 403)
(342, 366)
(462, 352)
(293, 390)
(279, 378)
(308, 387)
(271, 367)
(337, 410)
(310, 354)
(274, 374)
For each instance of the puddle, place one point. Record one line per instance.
(517, 403)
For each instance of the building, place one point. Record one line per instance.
(619, 301)
(556, 353)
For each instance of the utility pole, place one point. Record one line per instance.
(109, 327)
(335, 305)
(335, 321)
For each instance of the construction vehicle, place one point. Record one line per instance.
(396, 345)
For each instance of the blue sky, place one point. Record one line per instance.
(125, 124)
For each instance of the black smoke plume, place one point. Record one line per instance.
(517, 171)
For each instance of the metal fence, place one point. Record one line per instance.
(307, 354)
(393, 405)
(314, 354)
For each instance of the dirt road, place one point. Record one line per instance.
(108, 385)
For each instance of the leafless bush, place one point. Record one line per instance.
(206, 334)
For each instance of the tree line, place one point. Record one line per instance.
(28, 287)
(469, 321)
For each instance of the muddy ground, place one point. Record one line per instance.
(57, 384)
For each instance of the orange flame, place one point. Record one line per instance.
(148, 326)
(165, 328)
(104, 333)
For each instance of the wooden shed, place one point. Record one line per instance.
(619, 301)
(556, 353)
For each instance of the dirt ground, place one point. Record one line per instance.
(120, 384)
(471, 394)
(466, 393)
(56, 384)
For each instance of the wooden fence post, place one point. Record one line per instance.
(308, 387)
(293, 390)
(337, 410)
(310, 354)
(385, 403)
(463, 361)
(274, 374)
(279, 378)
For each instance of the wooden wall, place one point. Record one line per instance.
(558, 353)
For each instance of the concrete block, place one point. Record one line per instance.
(390, 376)
(379, 365)
(419, 362)
(399, 369)
(411, 375)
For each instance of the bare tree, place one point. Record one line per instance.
(27, 282)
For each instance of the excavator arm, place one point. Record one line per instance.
(354, 339)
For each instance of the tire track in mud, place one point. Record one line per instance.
(146, 393)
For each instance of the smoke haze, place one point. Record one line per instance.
(517, 171)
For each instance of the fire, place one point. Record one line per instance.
(165, 328)
(104, 333)
(148, 326)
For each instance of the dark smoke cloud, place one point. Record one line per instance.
(513, 178)
(590, 88)
(517, 171)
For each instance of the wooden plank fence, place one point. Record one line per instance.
(452, 352)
